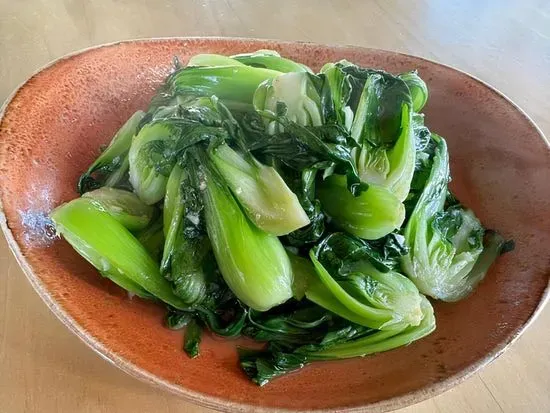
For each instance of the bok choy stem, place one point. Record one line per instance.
(111, 248)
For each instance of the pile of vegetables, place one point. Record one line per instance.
(307, 211)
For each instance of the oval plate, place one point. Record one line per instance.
(54, 124)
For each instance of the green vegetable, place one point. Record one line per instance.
(335, 101)
(377, 161)
(190, 111)
(270, 59)
(304, 275)
(330, 340)
(192, 339)
(152, 238)
(222, 313)
(304, 186)
(255, 198)
(444, 244)
(110, 168)
(293, 324)
(382, 340)
(127, 284)
(176, 320)
(425, 148)
(186, 245)
(380, 300)
(253, 263)
(172, 213)
(384, 254)
(376, 107)
(159, 144)
(260, 190)
(494, 245)
(124, 206)
(301, 148)
(292, 155)
(418, 89)
(296, 92)
(373, 214)
(233, 85)
(186, 270)
(111, 248)
(152, 157)
(209, 59)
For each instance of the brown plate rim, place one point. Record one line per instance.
(217, 403)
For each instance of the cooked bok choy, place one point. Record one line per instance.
(270, 59)
(262, 279)
(112, 249)
(371, 215)
(151, 159)
(111, 167)
(308, 211)
(381, 124)
(124, 206)
(185, 247)
(234, 84)
(303, 337)
(297, 93)
(418, 89)
(349, 285)
(446, 244)
(264, 195)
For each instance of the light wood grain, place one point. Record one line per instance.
(44, 368)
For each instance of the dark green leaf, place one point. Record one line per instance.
(192, 338)
(304, 188)
(227, 318)
(339, 249)
(176, 320)
(263, 366)
(111, 167)
(291, 324)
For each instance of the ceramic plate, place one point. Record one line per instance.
(51, 130)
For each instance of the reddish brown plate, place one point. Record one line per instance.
(54, 124)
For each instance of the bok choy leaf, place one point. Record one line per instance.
(111, 167)
(113, 250)
(445, 243)
(267, 200)
(261, 280)
(270, 59)
(371, 215)
(124, 206)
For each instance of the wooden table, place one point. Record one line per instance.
(44, 368)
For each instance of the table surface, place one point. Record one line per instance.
(45, 368)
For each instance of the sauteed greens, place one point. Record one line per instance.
(309, 211)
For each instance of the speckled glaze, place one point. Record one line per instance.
(54, 124)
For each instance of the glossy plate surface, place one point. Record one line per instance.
(54, 124)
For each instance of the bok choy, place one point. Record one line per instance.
(307, 211)
(111, 167)
(112, 249)
(446, 244)
(261, 280)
